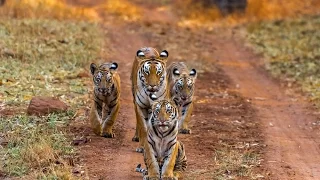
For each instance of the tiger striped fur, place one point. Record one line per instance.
(106, 102)
(181, 82)
(149, 79)
(164, 155)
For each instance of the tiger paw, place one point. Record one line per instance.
(185, 131)
(140, 150)
(150, 178)
(135, 139)
(169, 178)
(108, 135)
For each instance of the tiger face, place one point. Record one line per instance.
(103, 77)
(184, 84)
(164, 115)
(152, 75)
(152, 72)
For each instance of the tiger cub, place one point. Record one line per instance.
(181, 82)
(106, 102)
(164, 155)
(148, 79)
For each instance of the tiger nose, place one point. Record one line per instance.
(162, 120)
(152, 88)
(102, 90)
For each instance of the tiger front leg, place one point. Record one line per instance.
(142, 129)
(95, 119)
(185, 119)
(108, 122)
(136, 135)
(142, 137)
(151, 163)
(169, 163)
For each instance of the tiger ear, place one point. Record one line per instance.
(164, 54)
(193, 73)
(176, 72)
(140, 54)
(93, 68)
(114, 66)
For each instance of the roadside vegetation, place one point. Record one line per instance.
(292, 51)
(36, 147)
(41, 56)
(65, 10)
(45, 57)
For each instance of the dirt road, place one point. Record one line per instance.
(236, 104)
(293, 146)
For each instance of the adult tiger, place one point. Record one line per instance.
(181, 82)
(164, 155)
(106, 102)
(149, 79)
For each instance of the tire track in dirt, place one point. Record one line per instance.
(293, 148)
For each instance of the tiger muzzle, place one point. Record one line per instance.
(152, 88)
(184, 98)
(103, 90)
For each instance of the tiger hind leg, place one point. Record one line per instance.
(181, 161)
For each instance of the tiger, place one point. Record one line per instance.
(181, 84)
(106, 98)
(164, 155)
(149, 78)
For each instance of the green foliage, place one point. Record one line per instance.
(44, 57)
(292, 48)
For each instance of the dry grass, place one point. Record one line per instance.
(29, 49)
(61, 10)
(291, 48)
(42, 58)
(56, 9)
(121, 8)
(234, 163)
(36, 148)
(196, 15)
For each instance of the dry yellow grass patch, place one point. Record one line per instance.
(44, 160)
(61, 10)
(121, 8)
(57, 9)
